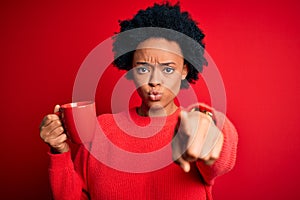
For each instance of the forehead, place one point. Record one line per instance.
(158, 47)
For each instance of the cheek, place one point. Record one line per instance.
(174, 88)
(140, 81)
(173, 84)
(140, 91)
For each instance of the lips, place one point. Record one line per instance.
(155, 95)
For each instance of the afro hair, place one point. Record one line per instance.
(165, 16)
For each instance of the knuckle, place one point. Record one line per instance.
(62, 129)
(59, 130)
(48, 117)
(215, 157)
(46, 140)
(52, 143)
(55, 133)
(207, 158)
(206, 119)
(57, 122)
(64, 137)
(192, 154)
(43, 135)
(47, 137)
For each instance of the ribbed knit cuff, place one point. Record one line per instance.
(60, 161)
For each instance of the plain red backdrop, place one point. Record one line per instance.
(255, 45)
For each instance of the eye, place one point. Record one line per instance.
(168, 70)
(142, 70)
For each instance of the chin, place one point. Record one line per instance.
(156, 107)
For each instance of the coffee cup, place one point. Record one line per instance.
(79, 121)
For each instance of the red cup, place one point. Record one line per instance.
(79, 121)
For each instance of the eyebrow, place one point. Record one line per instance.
(146, 63)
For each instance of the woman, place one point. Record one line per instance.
(160, 66)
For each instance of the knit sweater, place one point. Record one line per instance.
(100, 171)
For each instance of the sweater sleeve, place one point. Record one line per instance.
(227, 157)
(66, 180)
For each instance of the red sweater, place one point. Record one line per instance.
(101, 172)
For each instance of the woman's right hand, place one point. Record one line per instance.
(52, 133)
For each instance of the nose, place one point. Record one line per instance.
(155, 78)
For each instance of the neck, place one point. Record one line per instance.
(156, 111)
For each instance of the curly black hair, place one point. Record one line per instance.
(169, 17)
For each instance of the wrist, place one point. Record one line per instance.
(205, 111)
(59, 151)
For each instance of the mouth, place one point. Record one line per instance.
(155, 96)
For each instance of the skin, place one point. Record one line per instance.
(157, 73)
(52, 133)
(158, 68)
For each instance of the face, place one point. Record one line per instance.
(158, 68)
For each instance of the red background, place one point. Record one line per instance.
(255, 44)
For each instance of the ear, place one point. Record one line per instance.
(185, 71)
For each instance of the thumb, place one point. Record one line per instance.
(185, 165)
(56, 108)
